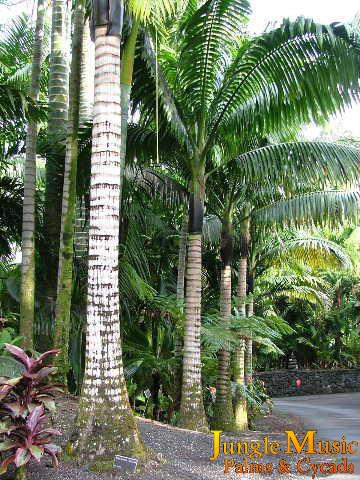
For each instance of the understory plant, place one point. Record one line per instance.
(25, 402)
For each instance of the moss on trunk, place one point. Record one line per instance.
(27, 288)
(65, 271)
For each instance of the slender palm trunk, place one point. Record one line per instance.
(249, 342)
(27, 301)
(87, 77)
(223, 414)
(180, 295)
(192, 412)
(180, 283)
(240, 408)
(57, 121)
(126, 78)
(105, 423)
(86, 108)
(65, 271)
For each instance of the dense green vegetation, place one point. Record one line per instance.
(238, 239)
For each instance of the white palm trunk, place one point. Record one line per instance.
(180, 295)
(27, 301)
(249, 350)
(180, 283)
(106, 425)
(87, 77)
(240, 409)
(192, 414)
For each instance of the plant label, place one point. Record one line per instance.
(125, 464)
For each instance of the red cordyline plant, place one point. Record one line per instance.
(24, 403)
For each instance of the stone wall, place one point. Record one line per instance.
(282, 383)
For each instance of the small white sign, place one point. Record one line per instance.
(126, 464)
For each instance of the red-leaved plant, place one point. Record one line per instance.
(24, 402)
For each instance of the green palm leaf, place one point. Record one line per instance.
(146, 94)
(290, 75)
(146, 9)
(316, 208)
(302, 247)
(319, 162)
(208, 35)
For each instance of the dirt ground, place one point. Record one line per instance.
(185, 454)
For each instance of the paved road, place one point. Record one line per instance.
(333, 416)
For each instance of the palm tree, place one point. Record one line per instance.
(309, 208)
(212, 86)
(27, 300)
(241, 184)
(65, 270)
(286, 249)
(100, 436)
(57, 120)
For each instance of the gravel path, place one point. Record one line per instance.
(186, 453)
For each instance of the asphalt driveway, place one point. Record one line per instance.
(333, 416)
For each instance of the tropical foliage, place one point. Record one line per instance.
(179, 232)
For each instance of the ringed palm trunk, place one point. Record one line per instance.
(65, 271)
(87, 77)
(100, 435)
(192, 412)
(27, 301)
(249, 342)
(57, 121)
(240, 408)
(180, 295)
(223, 414)
(126, 78)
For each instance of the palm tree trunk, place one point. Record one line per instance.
(126, 78)
(57, 121)
(180, 295)
(223, 414)
(27, 301)
(240, 408)
(87, 77)
(249, 342)
(192, 412)
(65, 271)
(180, 283)
(101, 435)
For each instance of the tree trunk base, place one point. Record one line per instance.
(102, 432)
(192, 413)
(240, 413)
(223, 413)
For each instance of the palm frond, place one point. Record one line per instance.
(309, 162)
(302, 247)
(208, 36)
(170, 107)
(331, 207)
(298, 72)
(145, 9)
